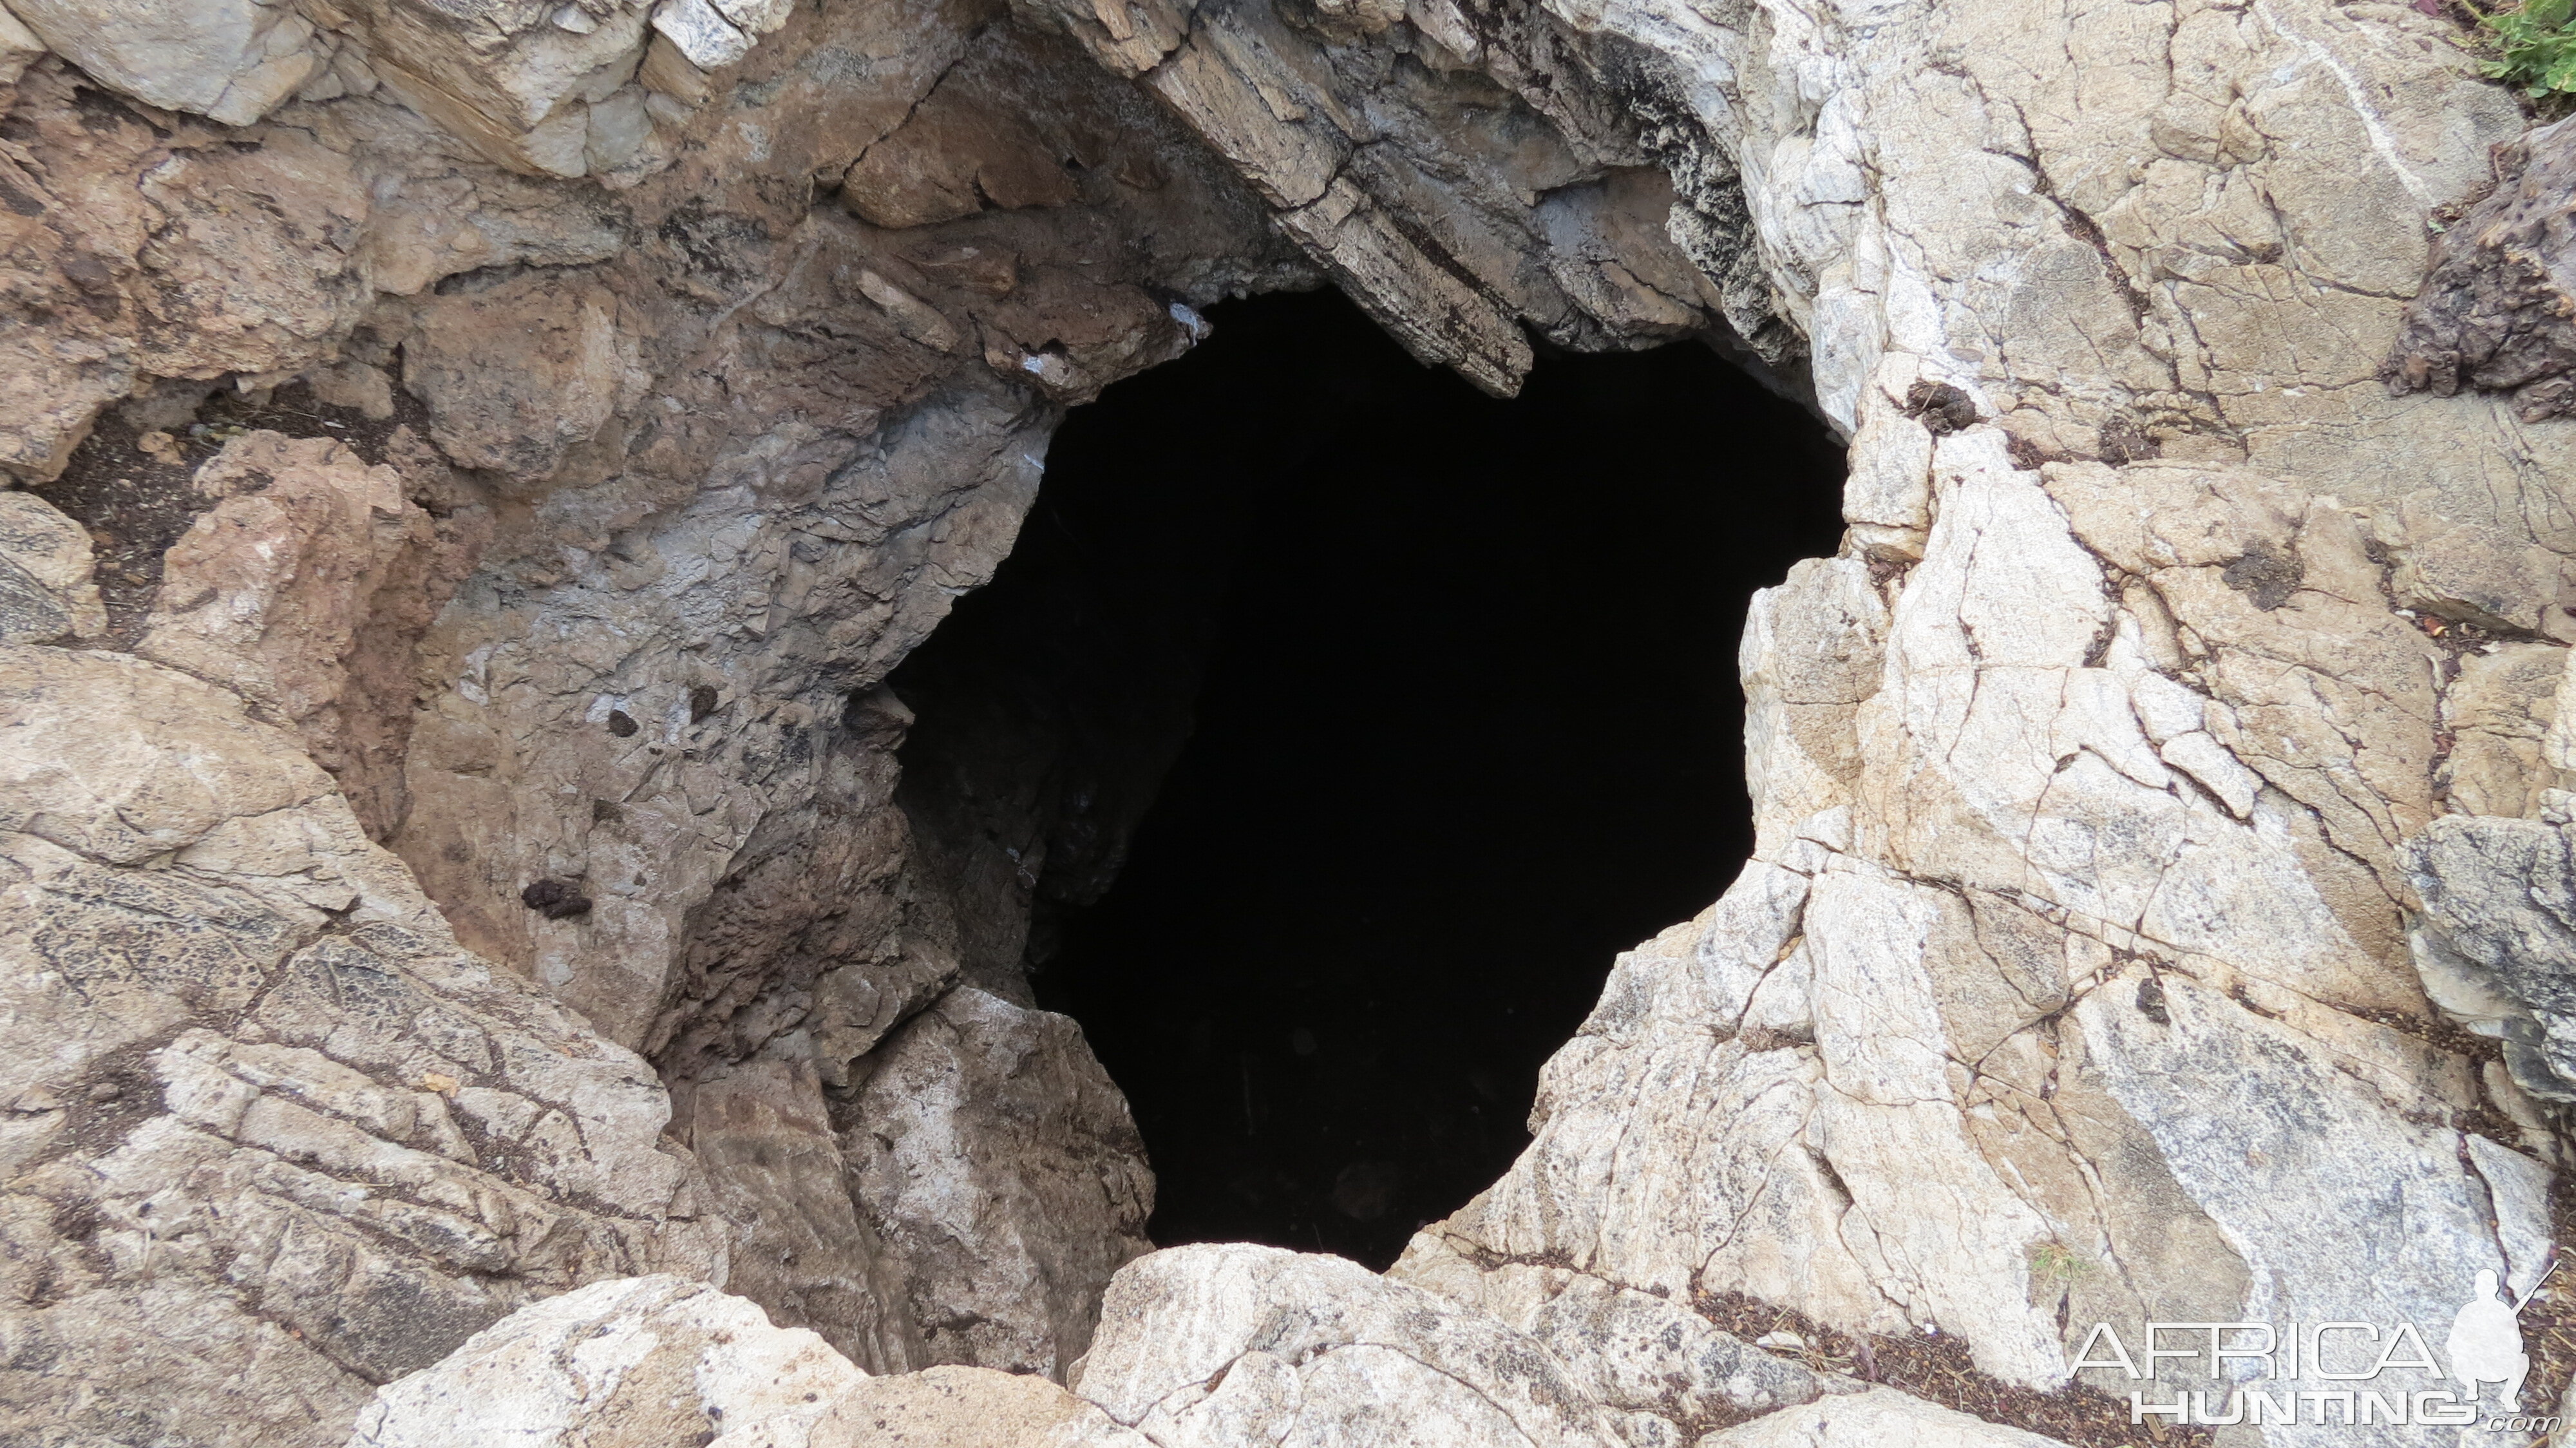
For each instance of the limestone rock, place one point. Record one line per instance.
(273, 1139)
(1832, 1152)
(1870, 1418)
(995, 1158)
(957, 1407)
(160, 252)
(1418, 192)
(2499, 711)
(232, 61)
(637, 1362)
(46, 595)
(517, 372)
(2075, 938)
(19, 47)
(1224, 1344)
(953, 158)
(1641, 1356)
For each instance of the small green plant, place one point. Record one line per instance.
(2055, 1262)
(2537, 44)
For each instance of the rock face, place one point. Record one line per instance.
(2497, 944)
(582, 408)
(273, 1139)
(954, 1407)
(305, 586)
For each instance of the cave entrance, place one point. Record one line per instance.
(1330, 728)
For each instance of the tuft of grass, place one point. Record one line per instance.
(2536, 46)
(2053, 1262)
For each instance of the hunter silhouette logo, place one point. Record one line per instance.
(2485, 1345)
(2346, 1372)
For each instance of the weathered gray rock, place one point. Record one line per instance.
(2497, 945)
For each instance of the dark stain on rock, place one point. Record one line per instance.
(2151, 1001)
(2265, 576)
(555, 899)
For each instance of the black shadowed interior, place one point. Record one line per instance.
(1338, 724)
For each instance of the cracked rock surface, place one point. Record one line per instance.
(449, 806)
(273, 1139)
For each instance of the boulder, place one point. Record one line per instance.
(638, 1362)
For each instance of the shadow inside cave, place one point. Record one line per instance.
(1330, 728)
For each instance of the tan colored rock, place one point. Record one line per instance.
(2498, 708)
(303, 589)
(2076, 932)
(953, 158)
(19, 47)
(274, 1140)
(232, 61)
(1237, 1343)
(997, 1163)
(46, 595)
(955, 1407)
(160, 252)
(1877, 1416)
(638, 1362)
(517, 373)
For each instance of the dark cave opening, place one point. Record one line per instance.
(1333, 725)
